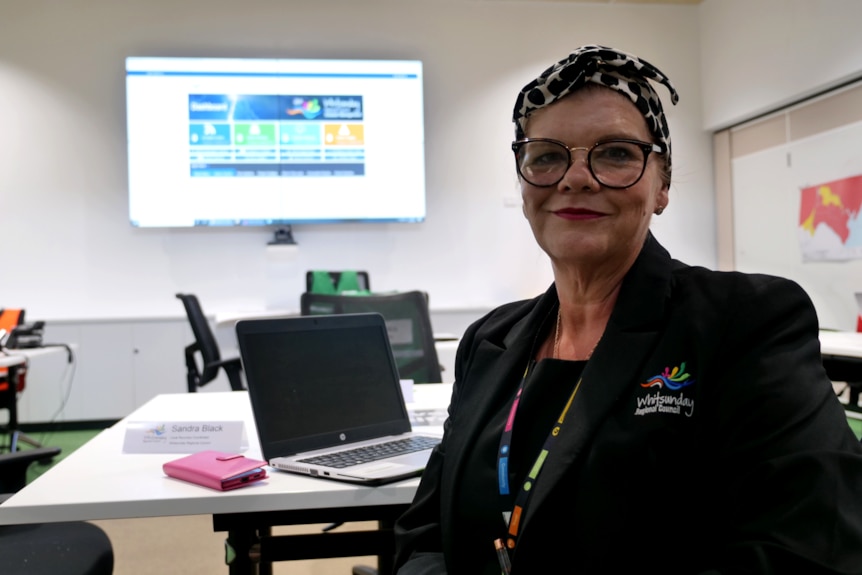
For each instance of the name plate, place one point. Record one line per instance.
(184, 436)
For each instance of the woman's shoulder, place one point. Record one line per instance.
(735, 287)
(656, 268)
(507, 313)
(497, 323)
(719, 280)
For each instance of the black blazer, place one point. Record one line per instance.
(750, 468)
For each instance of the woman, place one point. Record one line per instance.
(642, 415)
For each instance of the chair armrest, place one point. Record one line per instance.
(27, 456)
(226, 362)
(13, 466)
(190, 352)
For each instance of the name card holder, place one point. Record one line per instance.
(185, 436)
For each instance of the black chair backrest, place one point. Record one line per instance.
(204, 338)
(408, 323)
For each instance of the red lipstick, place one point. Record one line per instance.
(578, 214)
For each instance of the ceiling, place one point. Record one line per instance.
(692, 2)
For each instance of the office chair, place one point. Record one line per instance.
(408, 323)
(71, 548)
(9, 320)
(205, 344)
(335, 282)
(12, 382)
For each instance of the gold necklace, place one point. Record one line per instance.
(557, 337)
(557, 340)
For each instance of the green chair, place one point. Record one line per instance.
(336, 282)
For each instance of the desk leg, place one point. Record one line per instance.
(263, 567)
(386, 563)
(242, 552)
(853, 398)
(253, 549)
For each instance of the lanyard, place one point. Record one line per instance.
(513, 518)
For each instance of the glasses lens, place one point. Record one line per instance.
(617, 164)
(543, 163)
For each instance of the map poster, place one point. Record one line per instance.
(830, 228)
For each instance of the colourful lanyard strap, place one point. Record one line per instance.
(513, 518)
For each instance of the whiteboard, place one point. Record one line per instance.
(766, 193)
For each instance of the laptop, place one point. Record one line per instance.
(327, 400)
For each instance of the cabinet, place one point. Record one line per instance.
(119, 365)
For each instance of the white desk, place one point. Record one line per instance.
(99, 481)
(12, 360)
(12, 355)
(841, 343)
(229, 319)
(842, 359)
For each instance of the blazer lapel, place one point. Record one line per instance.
(500, 365)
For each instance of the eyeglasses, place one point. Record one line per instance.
(613, 163)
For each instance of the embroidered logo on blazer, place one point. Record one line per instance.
(663, 402)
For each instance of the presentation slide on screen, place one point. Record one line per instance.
(276, 135)
(256, 142)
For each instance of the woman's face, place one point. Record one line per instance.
(577, 220)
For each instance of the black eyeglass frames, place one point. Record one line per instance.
(613, 163)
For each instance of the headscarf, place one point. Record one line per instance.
(619, 71)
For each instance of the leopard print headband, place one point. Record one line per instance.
(624, 73)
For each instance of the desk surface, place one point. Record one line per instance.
(841, 343)
(12, 359)
(229, 319)
(18, 356)
(99, 481)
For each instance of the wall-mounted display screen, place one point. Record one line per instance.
(229, 142)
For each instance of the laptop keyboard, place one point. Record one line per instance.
(376, 452)
(428, 417)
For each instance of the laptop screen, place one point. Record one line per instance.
(318, 381)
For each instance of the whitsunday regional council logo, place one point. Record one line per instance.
(667, 397)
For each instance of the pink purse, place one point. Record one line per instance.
(216, 470)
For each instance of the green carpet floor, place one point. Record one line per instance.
(856, 425)
(68, 441)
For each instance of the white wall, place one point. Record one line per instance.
(71, 253)
(759, 55)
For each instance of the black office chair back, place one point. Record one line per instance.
(71, 548)
(206, 344)
(205, 340)
(408, 323)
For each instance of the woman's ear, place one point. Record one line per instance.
(662, 199)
